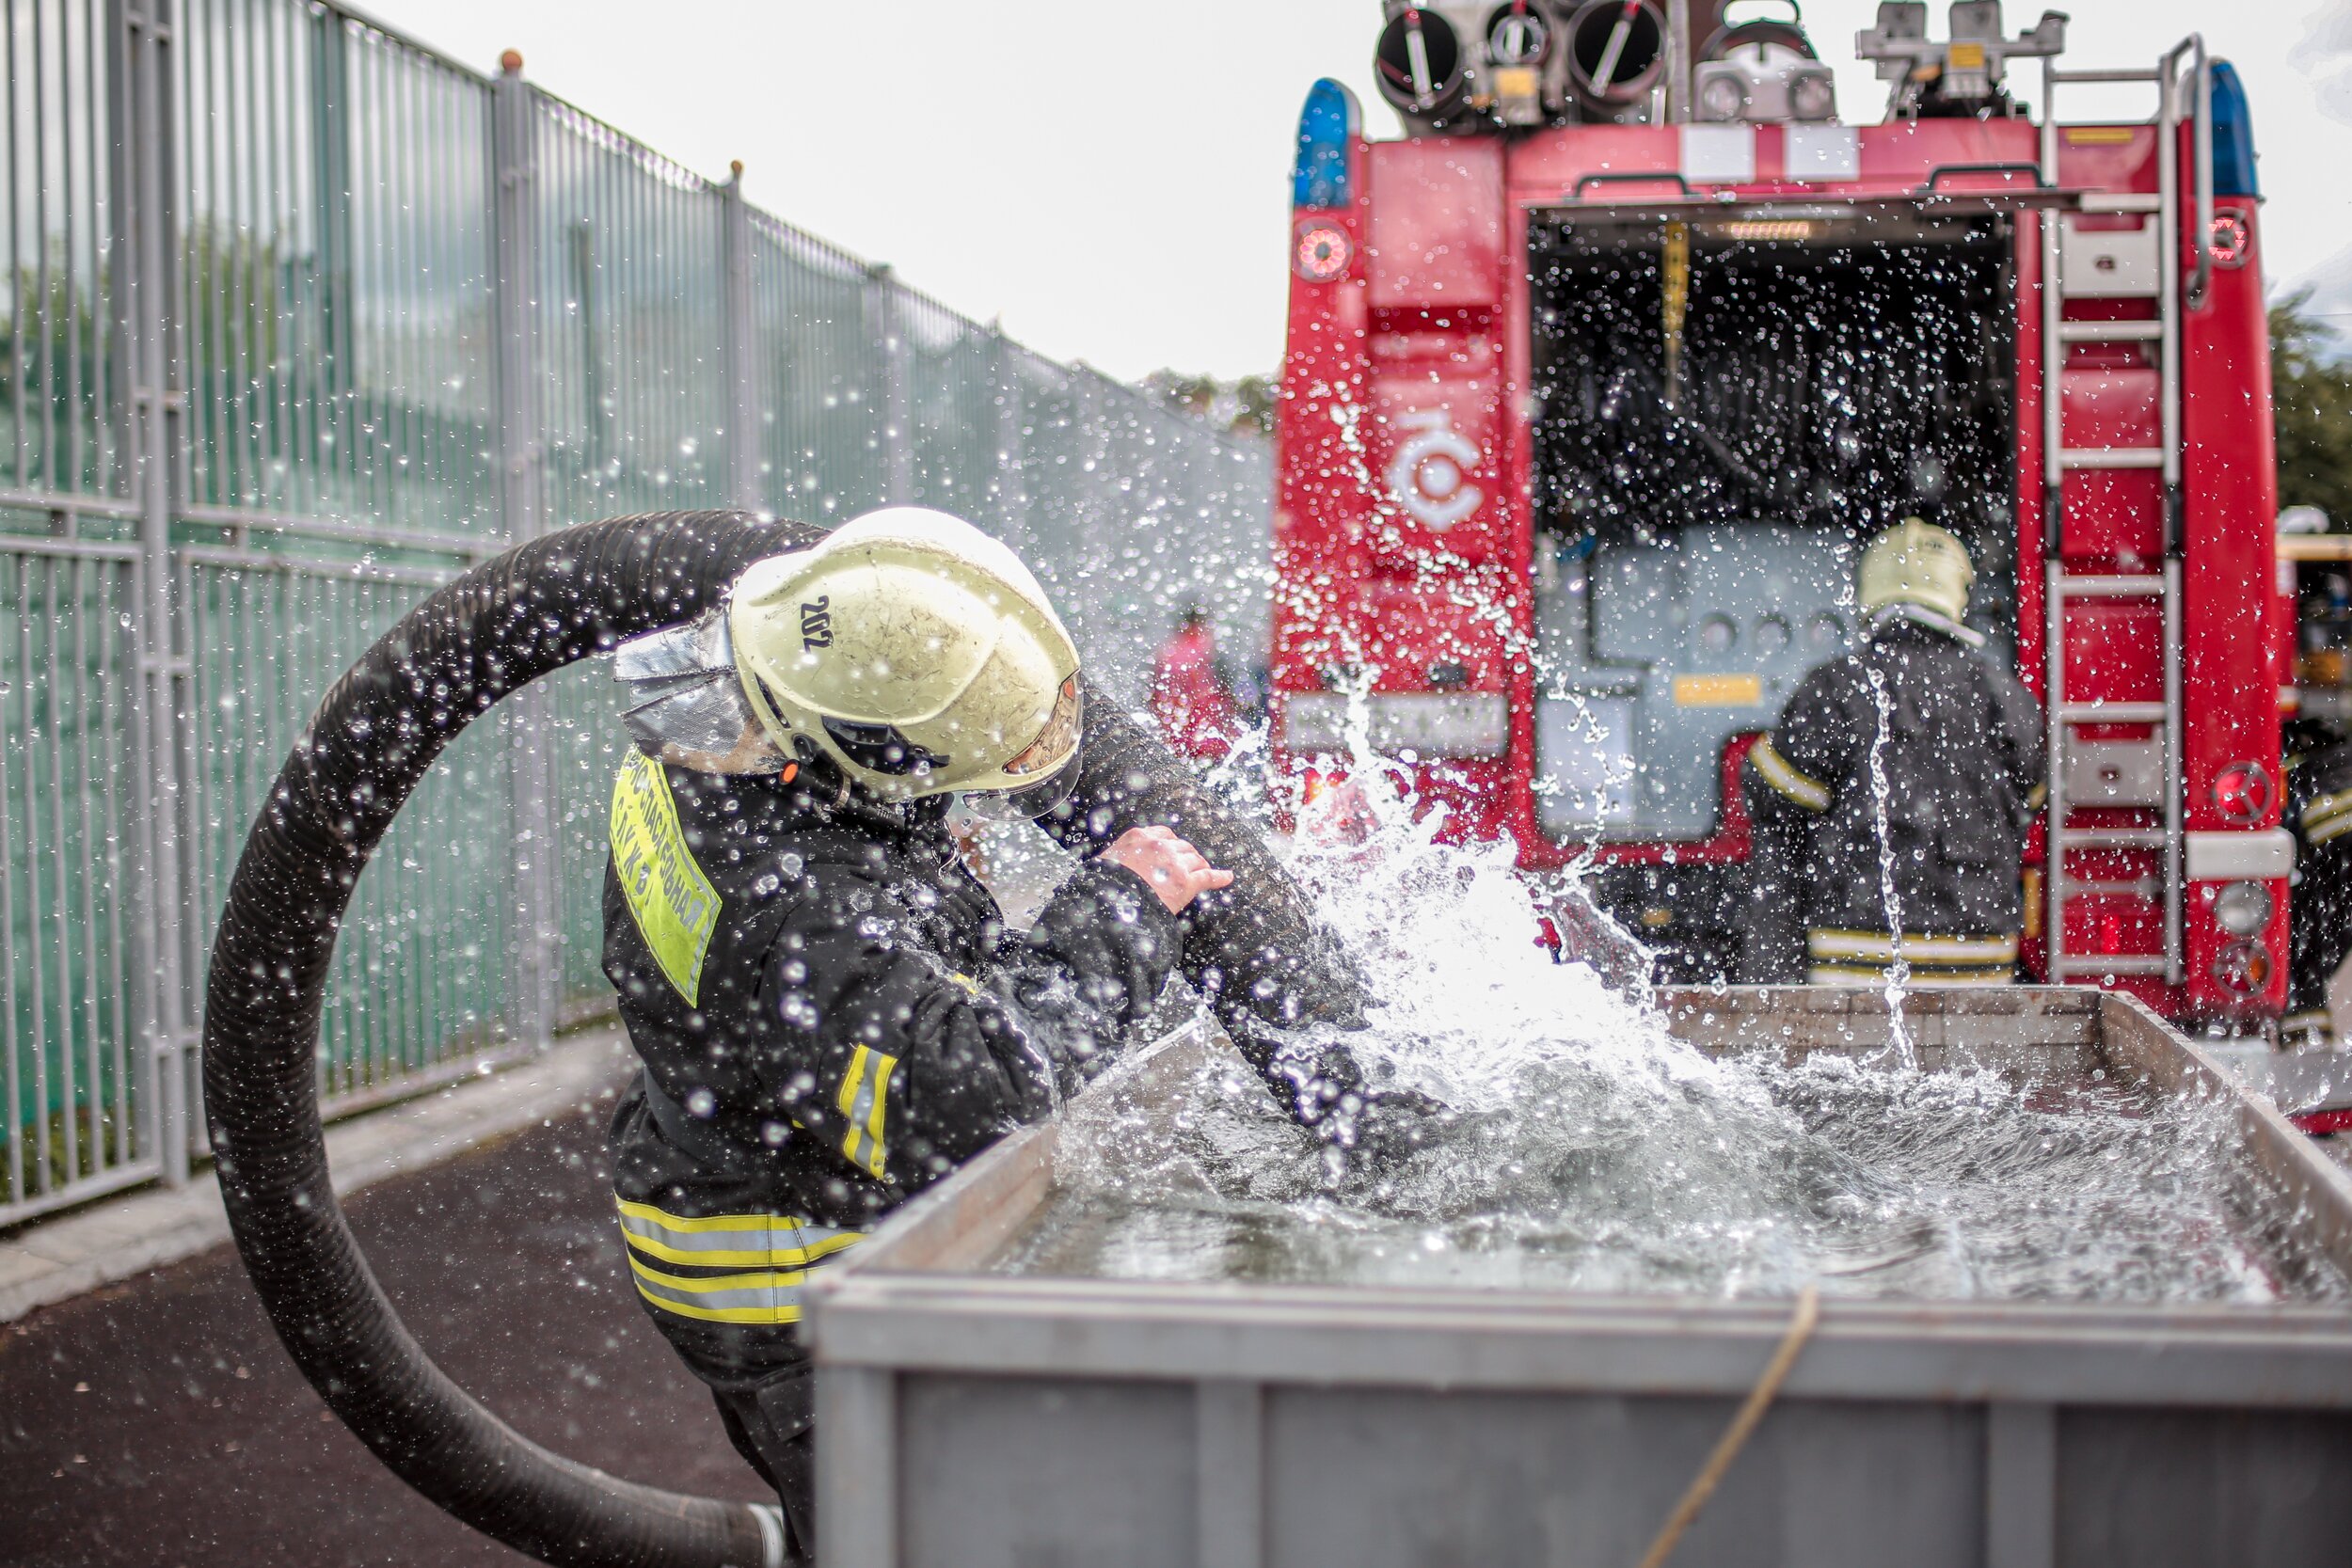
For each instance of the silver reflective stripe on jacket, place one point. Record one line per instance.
(726, 1268)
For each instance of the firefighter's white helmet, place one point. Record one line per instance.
(1917, 563)
(920, 655)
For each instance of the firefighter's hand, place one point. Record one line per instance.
(1171, 867)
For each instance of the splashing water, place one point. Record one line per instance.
(1899, 966)
(1595, 1151)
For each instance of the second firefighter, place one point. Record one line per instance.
(1892, 799)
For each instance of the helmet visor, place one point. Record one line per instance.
(1054, 743)
(686, 703)
(1042, 777)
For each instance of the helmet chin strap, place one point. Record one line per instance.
(819, 773)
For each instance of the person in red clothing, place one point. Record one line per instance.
(1191, 697)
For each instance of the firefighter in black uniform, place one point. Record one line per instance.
(2319, 812)
(1913, 760)
(831, 1011)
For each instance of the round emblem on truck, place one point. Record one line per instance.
(1430, 473)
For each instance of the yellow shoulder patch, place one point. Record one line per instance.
(673, 904)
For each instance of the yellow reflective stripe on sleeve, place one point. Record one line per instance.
(885, 1067)
(772, 1297)
(865, 1101)
(2328, 816)
(1775, 770)
(1879, 947)
(2038, 797)
(672, 903)
(731, 1241)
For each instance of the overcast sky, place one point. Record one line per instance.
(1110, 178)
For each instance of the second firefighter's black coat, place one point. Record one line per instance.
(832, 1016)
(1959, 743)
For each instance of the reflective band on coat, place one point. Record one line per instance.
(1775, 770)
(731, 1241)
(1879, 947)
(726, 1298)
(1863, 974)
(672, 903)
(2328, 818)
(865, 1101)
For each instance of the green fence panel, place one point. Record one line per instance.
(588, 747)
(73, 1090)
(818, 378)
(952, 428)
(419, 985)
(62, 399)
(1131, 513)
(632, 394)
(335, 335)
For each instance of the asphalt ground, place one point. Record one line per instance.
(158, 1422)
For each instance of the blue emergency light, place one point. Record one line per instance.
(2233, 136)
(1328, 127)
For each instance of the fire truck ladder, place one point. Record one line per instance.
(2059, 336)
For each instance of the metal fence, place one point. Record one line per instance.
(298, 320)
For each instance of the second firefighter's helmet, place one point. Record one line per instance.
(920, 656)
(1918, 563)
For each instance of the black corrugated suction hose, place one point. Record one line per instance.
(533, 609)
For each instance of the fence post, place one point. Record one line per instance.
(142, 124)
(1012, 500)
(532, 978)
(889, 338)
(739, 346)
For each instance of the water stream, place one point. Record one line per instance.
(1898, 969)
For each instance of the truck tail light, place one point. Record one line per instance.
(1322, 252)
(1722, 98)
(2242, 909)
(1812, 93)
(2242, 967)
(2242, 791)
(2228, 240)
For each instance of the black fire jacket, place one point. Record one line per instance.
(1962, 756)
(832, 1016)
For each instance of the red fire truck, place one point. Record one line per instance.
(1599, 378)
